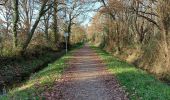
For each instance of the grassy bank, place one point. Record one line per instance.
(38, 82)
(14, 71)
(139, 84)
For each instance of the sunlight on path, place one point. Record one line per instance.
(86, 79)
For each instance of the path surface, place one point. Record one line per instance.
(86, 79)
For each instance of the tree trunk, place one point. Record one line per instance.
(31, 32)
(46, 33)
(118, 39)
(15, 22)
(55, 29)
(69, 34)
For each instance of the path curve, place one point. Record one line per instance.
(86, 79)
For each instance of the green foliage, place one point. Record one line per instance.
(77, 45)
(139, 84)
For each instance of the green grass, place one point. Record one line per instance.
(39, 82)
(138, 83)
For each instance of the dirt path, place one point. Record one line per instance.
(86, 79)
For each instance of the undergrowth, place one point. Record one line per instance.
(139, 84)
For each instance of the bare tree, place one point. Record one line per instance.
(6, 13)
(44, 8)
(73, 10)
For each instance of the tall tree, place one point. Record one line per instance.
(43, 10)
(73, 10)
(15, 22)
(55, 24)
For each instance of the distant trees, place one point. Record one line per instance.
(74, 9)
(78, 34)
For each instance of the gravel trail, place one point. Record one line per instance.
(86, 79)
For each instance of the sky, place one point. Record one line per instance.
(85, 20)
(90, 15)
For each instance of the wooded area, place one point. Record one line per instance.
(24, 22)
(136, 31)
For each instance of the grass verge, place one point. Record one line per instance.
(139, 84)
(39, 82)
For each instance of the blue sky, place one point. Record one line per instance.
(91, 14)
